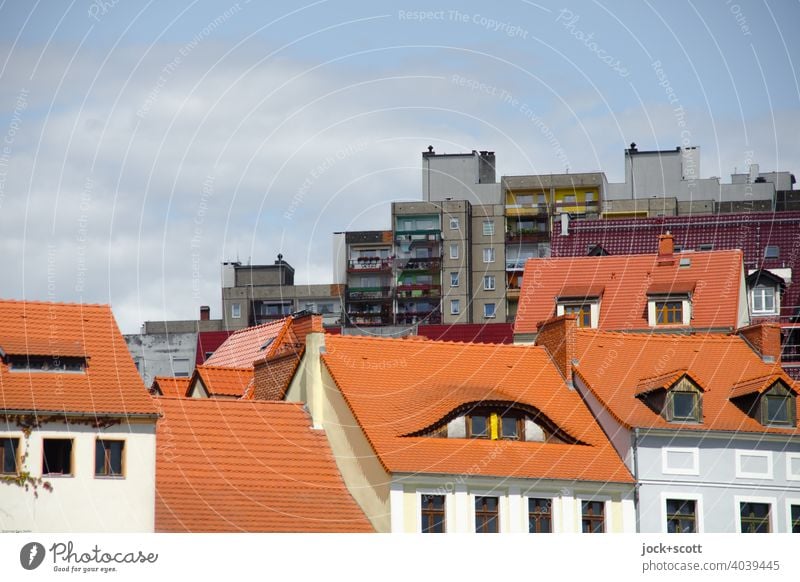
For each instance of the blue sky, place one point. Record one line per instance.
(143, 143)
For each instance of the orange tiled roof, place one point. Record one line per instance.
(397, 387)
(243, 466)
(664, 381)
(243, 347)
(613, 365)
(110, 383)
(170, 386)
(224, 381)
(626, 280)
(758, 385)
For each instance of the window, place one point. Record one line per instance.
(57, 458)
(489, 310)
(754, 517)
(455, 306)
(681, 516)
(593, 517)
(777, 406)
(583, 311)
(540, 515)
(488, 228)
(488, 255)
(683, 406)
(433, 514)
(505, 425)
(454, 251)
(8, 455)
(52, 364)
(487, 514)
(795, 518)
(763, 299)
(589, 197)
(454, 279)
(706, 247)
(454, 223)
(669, 312)
(541, 199)
(180, 367)
(569, 200)
(771, 252)
(108, 458)
(236, 310)
(488, 282)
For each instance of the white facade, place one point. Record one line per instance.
(82, 501)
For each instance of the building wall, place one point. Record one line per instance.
(718, 470)
(162, 354)
(462, 211)
(493, 214)
(460, 492)
(83, 502)
(469, 177)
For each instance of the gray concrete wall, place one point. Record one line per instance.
(162, 354)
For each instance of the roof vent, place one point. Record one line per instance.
(267, 343)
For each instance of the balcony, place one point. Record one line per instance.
(418, 291)
(526, 236)
(516, 264)
(368, 319)
(369, 293)
(529, 209)
(411, 236)
(419, 264)
(576, 207)
(512, 293)
(369, 265)
(424, 317)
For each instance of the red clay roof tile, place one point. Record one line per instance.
(224, 381)
(243, 347)
(170, 386)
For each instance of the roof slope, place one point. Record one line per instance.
(625, 281)
(110, 383)
(242, 347)
(396, 387)
(224, 381)
(170, 386)
(232, 465)
(614, 365)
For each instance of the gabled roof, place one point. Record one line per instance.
(616, 367)
(209, 342)
(397, 387)
(243, 347)
(665, 381)
(110, 383)
(240, 466)
(170, 386)
(760, 385)
(713, 278)
(223, 381)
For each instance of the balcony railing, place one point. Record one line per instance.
(369, 293)
(418, 236)
(369, 319)
(526, 236)
(428, 317)
(517, 264)
(512, 293)
(415, 291)
(369, 264)
(419, 264)
(529, 209)
(576, 207)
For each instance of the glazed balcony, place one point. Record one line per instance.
(369, 265)
(418, 291)
(369, 293)
(416, 236)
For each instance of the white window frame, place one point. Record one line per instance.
(741, 474)
(186, 359)
(739, 499)
(763, 288)
(502, 499)
(789, 458)
(455, 279)
(693, 470)
(789, 502)
(489, 279)
(488, 228)
(686, 310)
(494, 310)
(454, 223)
(236, 310)
(489, 255)
(682, 496)
(454, 250)
(455, 307)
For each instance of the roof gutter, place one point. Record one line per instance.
(636, 485)
(142, 415)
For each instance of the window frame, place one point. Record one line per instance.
(697, 406)
(490, 230)
(4, 440)
(455, 278)
(489, 255)
(697, 498)
(762, 288)
(496, 514)
(679, 517)
(47, 473)
(768, 501)
(769, 255)
(498, 415)
(107, 459)
(528, 499)
(421, 495)
(486, 313)
(667, 307)
(594, 518)
(236, 310)
(489, 279)
(791, 522)
(455, 223)
(584, 313)
(454, 251)
(455, 307)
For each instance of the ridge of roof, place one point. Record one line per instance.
(423, 339)
(41, 302)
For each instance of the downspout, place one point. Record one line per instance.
(635, 439)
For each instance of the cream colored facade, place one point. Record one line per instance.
(82, 502)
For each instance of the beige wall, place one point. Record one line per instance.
(461, 265)
(497, 269)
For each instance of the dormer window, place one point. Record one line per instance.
(763, 299)
(777, 406)
(669, 312)
(676, 396)
(506, 425)
(583, 311)
(583, 302)
(51, 364)
(684, 406)
(670, 303)
(764, 289)
(767, 399)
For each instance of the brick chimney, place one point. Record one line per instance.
(271, 377)
(307, 323)
(205, 313)
(765, 339)
(666, 249)
(557, 335)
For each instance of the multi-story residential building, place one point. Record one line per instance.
(243, 466)
(449, 437)
(77, 426)
(706, 423)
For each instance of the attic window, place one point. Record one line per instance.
(47, 364)
(771, 252)
(685, 262)
(267, 343)
(777, 406)
(706, 247)
(683, 406)
(506, 425)
(679, 401)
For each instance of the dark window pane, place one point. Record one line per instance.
(795, 518)
(777, 409)
(509, 427)
(539, 516)
(479, 426)
(681, 517)
(433, 514)
(683, 405)
(486, 515)
(592, 519)
(755, 517)
(57, 459)
(9, 454)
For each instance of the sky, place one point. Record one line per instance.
(143, 143)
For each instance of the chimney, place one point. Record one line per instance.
(557, 336)
(306, 323)
(765, 340)
(666, 249)
(205, 313)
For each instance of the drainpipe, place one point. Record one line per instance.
(635, 439)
